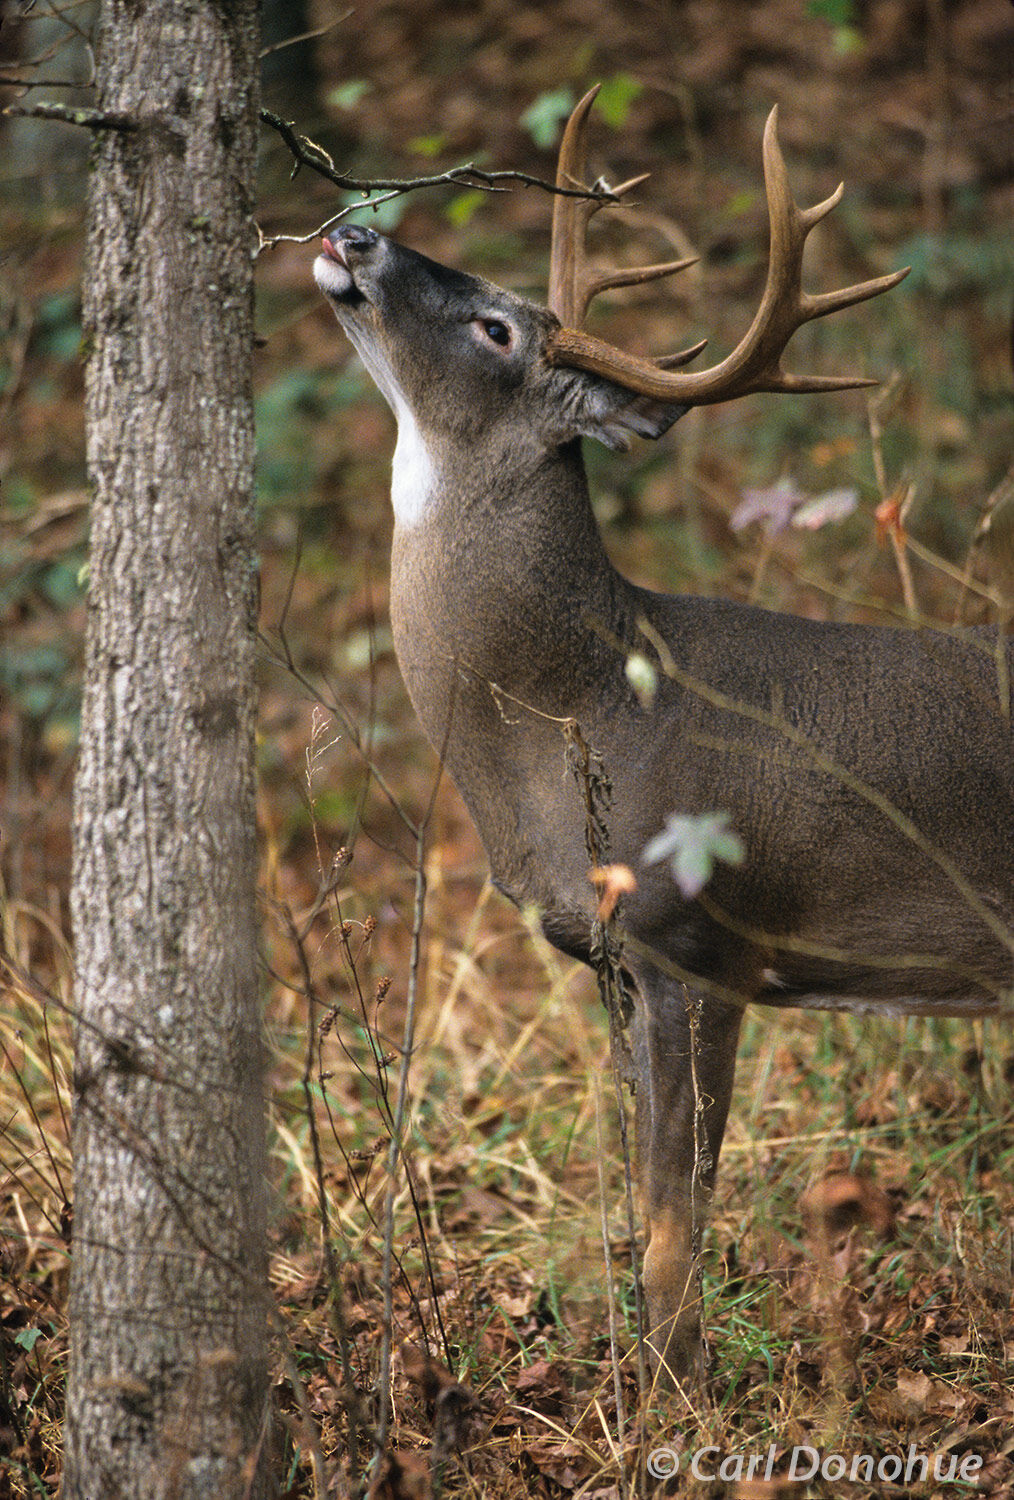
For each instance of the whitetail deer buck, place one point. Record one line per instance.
(867, 771)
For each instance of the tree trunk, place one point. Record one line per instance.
(168, 1375)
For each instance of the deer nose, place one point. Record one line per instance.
(352, 237)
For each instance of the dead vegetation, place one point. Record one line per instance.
(859, 1272)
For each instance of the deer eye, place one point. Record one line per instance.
(497, 332)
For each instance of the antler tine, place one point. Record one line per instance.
(572, 282)
(675, 361)
(755, 364)
(570, 216)
(604, 281)
(784, 305)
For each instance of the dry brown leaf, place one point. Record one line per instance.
(543, 1385)
(843, 1199)
(914, 1388)
(566, 1463)
(958, 1343)
(456, 1412)
(402, 1476)
(612, 882)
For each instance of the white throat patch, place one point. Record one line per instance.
(412, 477)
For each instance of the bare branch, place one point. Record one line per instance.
(305, 36)
(69, 114)
(39, 83)
(307, 153)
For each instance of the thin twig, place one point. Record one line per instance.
(309, 1427)
(305, 36)
(394, 1148)
(38, 83)
(72, 29)
(14, 1175)
(285, 658)
(704, 1164)
(398, 1122)
(327, 1248)
(877, 404)
(614, 1349)
(57, 1091)
(60, 1190)
(596, 794)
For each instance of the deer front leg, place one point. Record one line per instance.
(685, 1058)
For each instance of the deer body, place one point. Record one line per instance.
(868, 771)
(509, 621)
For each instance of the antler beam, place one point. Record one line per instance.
(572, 281)
(755, 364)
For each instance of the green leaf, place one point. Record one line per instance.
(428, 145)
(333, 807)
(347, 95)
(382, 212)
(544, 116)
(837, 12)
(20, 496)
(841, 16)
(27, 1338)
(60, 582)
(45, 662)
(462, 206)
(616, 96)
(692, 845)
(741, 203)
(847, 40)
(59, 326)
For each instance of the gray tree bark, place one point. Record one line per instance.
(168, 1375)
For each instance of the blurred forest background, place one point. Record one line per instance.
(842, 509)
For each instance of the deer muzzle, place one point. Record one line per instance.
(345, 249)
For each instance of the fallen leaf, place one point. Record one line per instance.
(456, 1412)
(841, 1200)
(914, 1388)
(543, 1385)
(402, 1476)
(958, 1344)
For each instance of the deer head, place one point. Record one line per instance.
(453, 353)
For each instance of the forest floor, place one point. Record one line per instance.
(859, 1268)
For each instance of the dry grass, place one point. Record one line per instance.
(859, 1265)
(887, 1329)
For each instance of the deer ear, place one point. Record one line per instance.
(612, 415)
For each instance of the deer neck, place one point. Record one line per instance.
(499, 573)
(496, 593)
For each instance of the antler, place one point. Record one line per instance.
(755, 364)
(572, 282)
